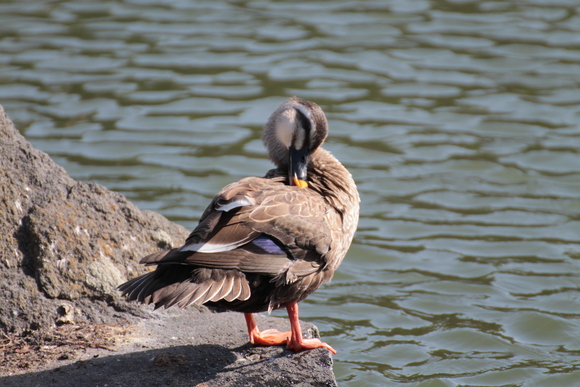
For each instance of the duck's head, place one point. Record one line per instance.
(293, 132)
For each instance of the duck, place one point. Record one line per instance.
(265, 243)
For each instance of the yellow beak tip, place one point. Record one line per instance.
(299, 183)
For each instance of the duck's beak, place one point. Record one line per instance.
(298, 167)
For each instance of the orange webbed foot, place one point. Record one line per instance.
(300, 344)
(292, 339)
(269, 337)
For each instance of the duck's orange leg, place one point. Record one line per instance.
(296, 342)
(293, 338)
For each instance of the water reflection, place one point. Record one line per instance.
(459, 121)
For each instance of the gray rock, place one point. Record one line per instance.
(66, 246)
(189, 348)
(65, 240)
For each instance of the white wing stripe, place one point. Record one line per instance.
(207, 248)
(235, 204)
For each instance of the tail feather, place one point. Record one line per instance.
(213, 290)
(245, 292)
(168, 296)
(147, 288)
(132, 287)
(235, 291)
(226, 288)
(194, 297)
(184, 290)
(164, 295)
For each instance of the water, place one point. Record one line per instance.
(459, 120)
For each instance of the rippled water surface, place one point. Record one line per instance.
(459, 120)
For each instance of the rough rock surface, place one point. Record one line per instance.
(63, 239)
(65, 247)
(188, 348)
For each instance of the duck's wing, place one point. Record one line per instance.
(258, 225)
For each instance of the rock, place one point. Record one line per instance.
(65, 240)
(66, 246)
(188, 348)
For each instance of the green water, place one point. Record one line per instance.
(459, 120)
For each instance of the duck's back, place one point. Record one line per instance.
(260, 244)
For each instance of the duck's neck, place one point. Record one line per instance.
(333, 181)
(328, 177)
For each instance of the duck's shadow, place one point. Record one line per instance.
(174, 366)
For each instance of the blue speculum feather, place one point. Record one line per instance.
(268, 245)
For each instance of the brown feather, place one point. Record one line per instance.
(184, 290)
(213, 290)
(245, 291)
(235, 291)
(145, 288)
(226, 289)
(197, 294)
(165, 294)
